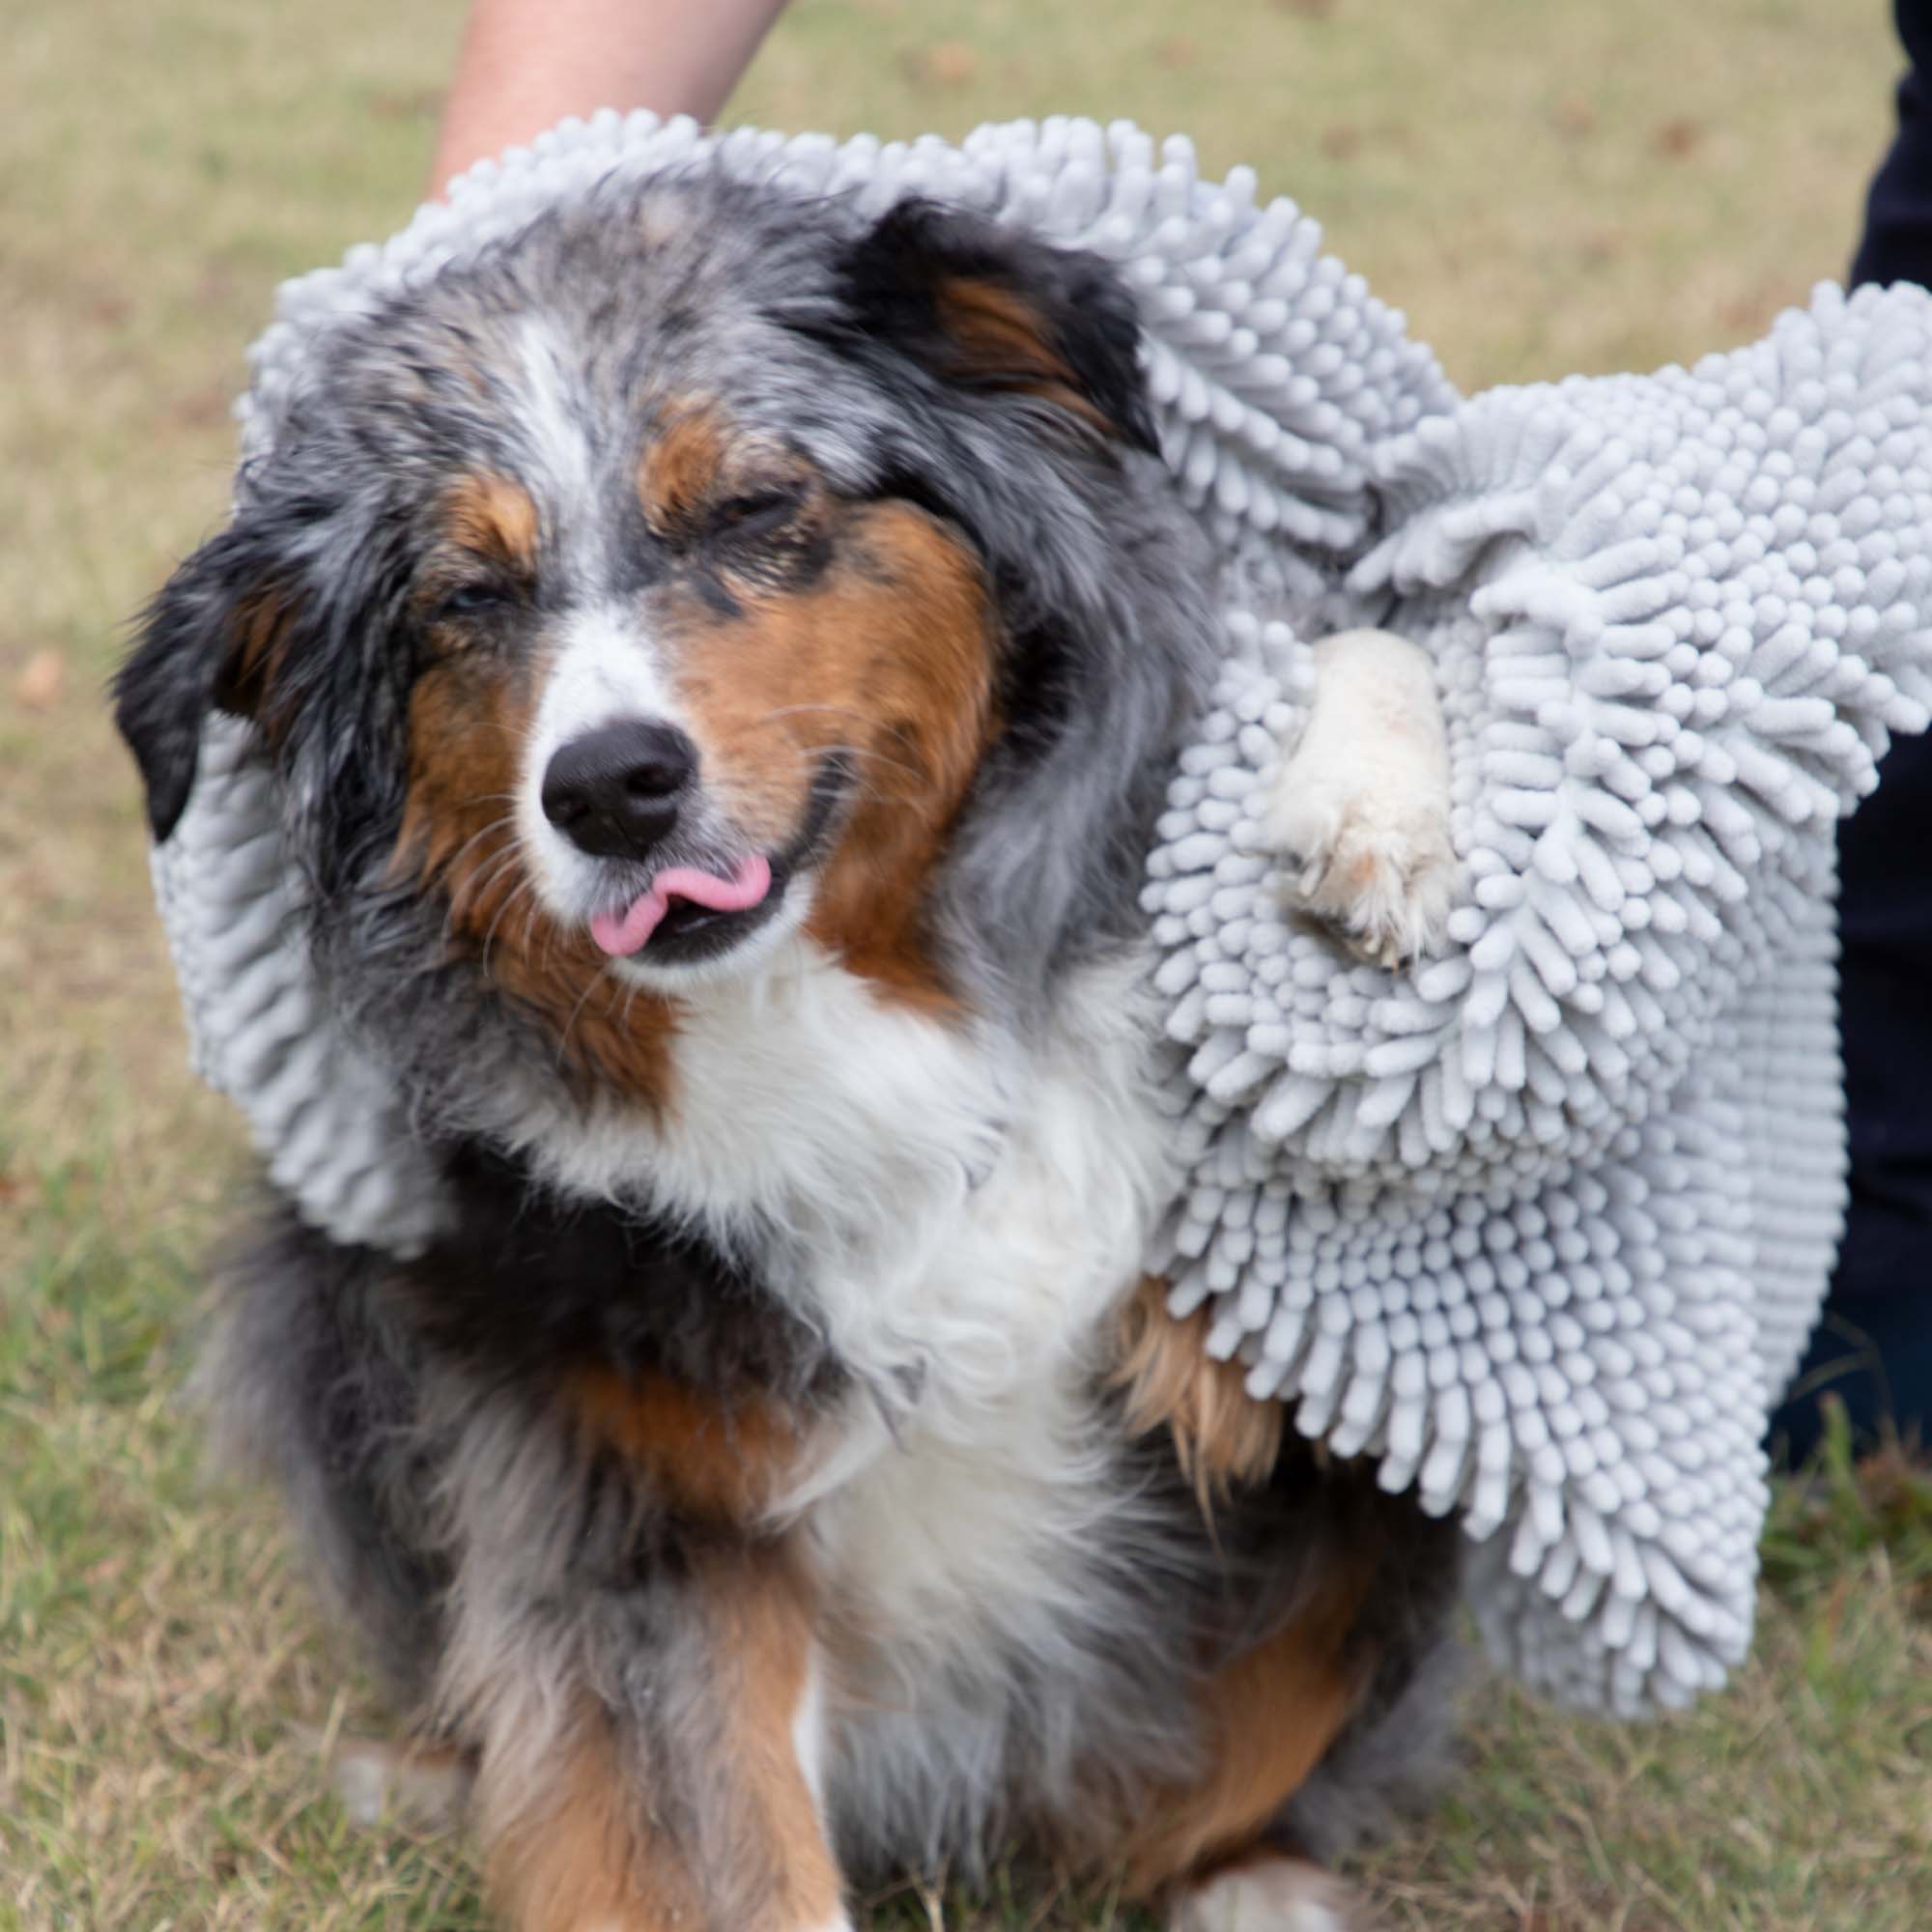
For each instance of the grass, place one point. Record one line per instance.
(1544, 186)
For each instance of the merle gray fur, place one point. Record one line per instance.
(485, 1556)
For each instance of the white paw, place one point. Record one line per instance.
(416, 1785)
(1361, 803)
(1385, 878)
(1273, 1894)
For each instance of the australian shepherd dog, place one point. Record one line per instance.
(721, 658)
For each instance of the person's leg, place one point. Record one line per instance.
(1873, 1349)
(1897, 242)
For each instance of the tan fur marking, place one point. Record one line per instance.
(579, 1856)
(1268, 1718)
(466, 723)
(888, 659)
(705, 1460)
(682, 468)
(494, 518)
(1001, 340)
(1222, 1435)
(764, 1632)
(253, 669)
(590, 1852)
(258, 633)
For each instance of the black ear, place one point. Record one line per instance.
(208, 643)
(984, 308)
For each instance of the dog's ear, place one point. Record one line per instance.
(984, 308)
(211, 640)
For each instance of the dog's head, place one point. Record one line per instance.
(702, 567)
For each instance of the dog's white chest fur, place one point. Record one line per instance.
(955, 1207)
(960, 1214)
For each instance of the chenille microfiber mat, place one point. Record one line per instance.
(1539, 1225)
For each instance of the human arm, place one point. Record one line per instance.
(526, 64)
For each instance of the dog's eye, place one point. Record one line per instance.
(471, 600)
(758, 513)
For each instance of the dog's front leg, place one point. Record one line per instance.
(655, 1774)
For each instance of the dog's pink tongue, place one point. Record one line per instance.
(621, 935)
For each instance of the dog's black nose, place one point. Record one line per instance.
(614, 792)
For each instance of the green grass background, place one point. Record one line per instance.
(1544, 184)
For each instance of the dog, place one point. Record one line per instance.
(721, 658)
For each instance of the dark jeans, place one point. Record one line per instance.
(1874, 1346)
